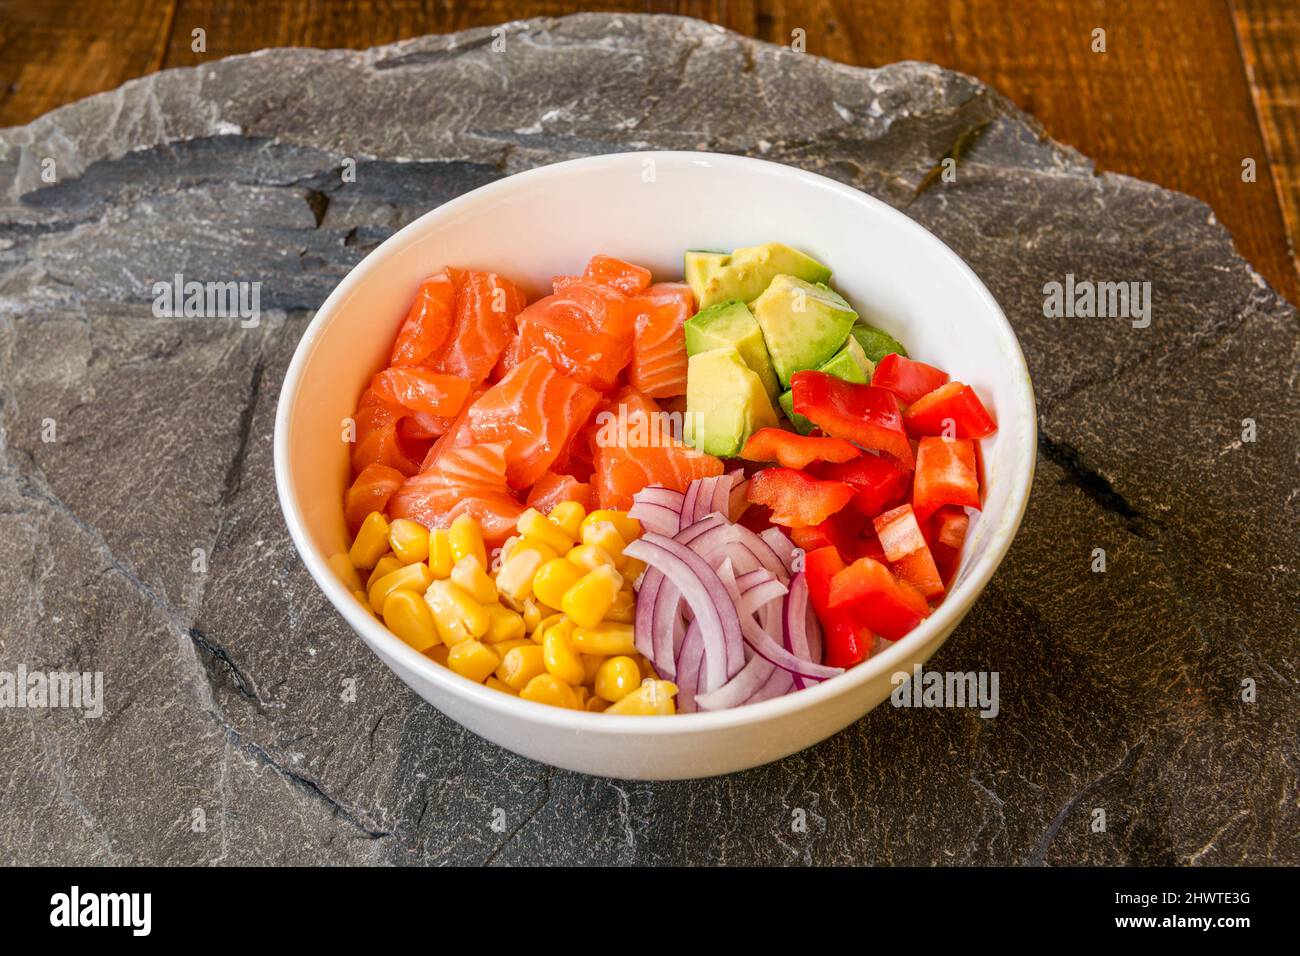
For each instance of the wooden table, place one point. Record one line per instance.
(1186, 93)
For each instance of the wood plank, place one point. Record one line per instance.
(55, 51)
(1269, 31)
(1169, 101)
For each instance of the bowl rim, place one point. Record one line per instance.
(387, 645)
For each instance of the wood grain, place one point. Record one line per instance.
(1269, 31)
(1169, 101)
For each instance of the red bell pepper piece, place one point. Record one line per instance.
(906, 550)
(888, 606)
(863, 414)
(952, 410)
(945, 475)
(793, 450)
(948, 527)
(907, 379)
(847, 640)
(868, 546)
(839, 531)
(877, 481)
(797, 499)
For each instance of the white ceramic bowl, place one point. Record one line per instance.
(649, 208)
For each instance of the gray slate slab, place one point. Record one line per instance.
(1121, 691)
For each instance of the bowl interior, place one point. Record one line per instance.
(649, 208)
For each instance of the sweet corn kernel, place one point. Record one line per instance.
(588, 557)
(632, 569)
(535, 544)
(533, 615)
(346, 571)
(467, 541)
(409, 540)
(550, 620)
(457, 616)
(412, 577)
(623, 610)
(653, 697)
(385, 565)
(554, 578)
(595, 704)
(568, 515)
(515, 579)
(473, 659)
(440, 562)
(648, 671)
(582, 695)
(589, 600)
(501, 686)
(520, 665)
(605, 536)
(617, 677)
(362, 598)
(506, 625)
(469, 575)
(549, 689)
(561, 659)
(505, 647)
(628, 527)
(438, 653)
(605, 639)
(535, 525)
(371, 541)
(590, 666)
(407, 616)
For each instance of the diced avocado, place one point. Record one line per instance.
(849, 363)
(876, 343)
(802, 425)
(803, 324)
(725, 402)
(732, 324)
(751, 269)
(699, 268)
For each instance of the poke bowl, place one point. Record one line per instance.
(398, 534)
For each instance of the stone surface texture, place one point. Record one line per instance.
(1120, 691)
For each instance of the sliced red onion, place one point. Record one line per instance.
(693, 530)
(765, 646)
(661, 496)
(690, 501)
(780, 682)
(814, 636)
(740, 688)
(732, 537)
(714, 608)
(647, 596)
(666, 626)
(722, 493)
(761, 594)
(657, 518)
(659, 627)
(794, 621)
(782, 546)
(689, 664)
